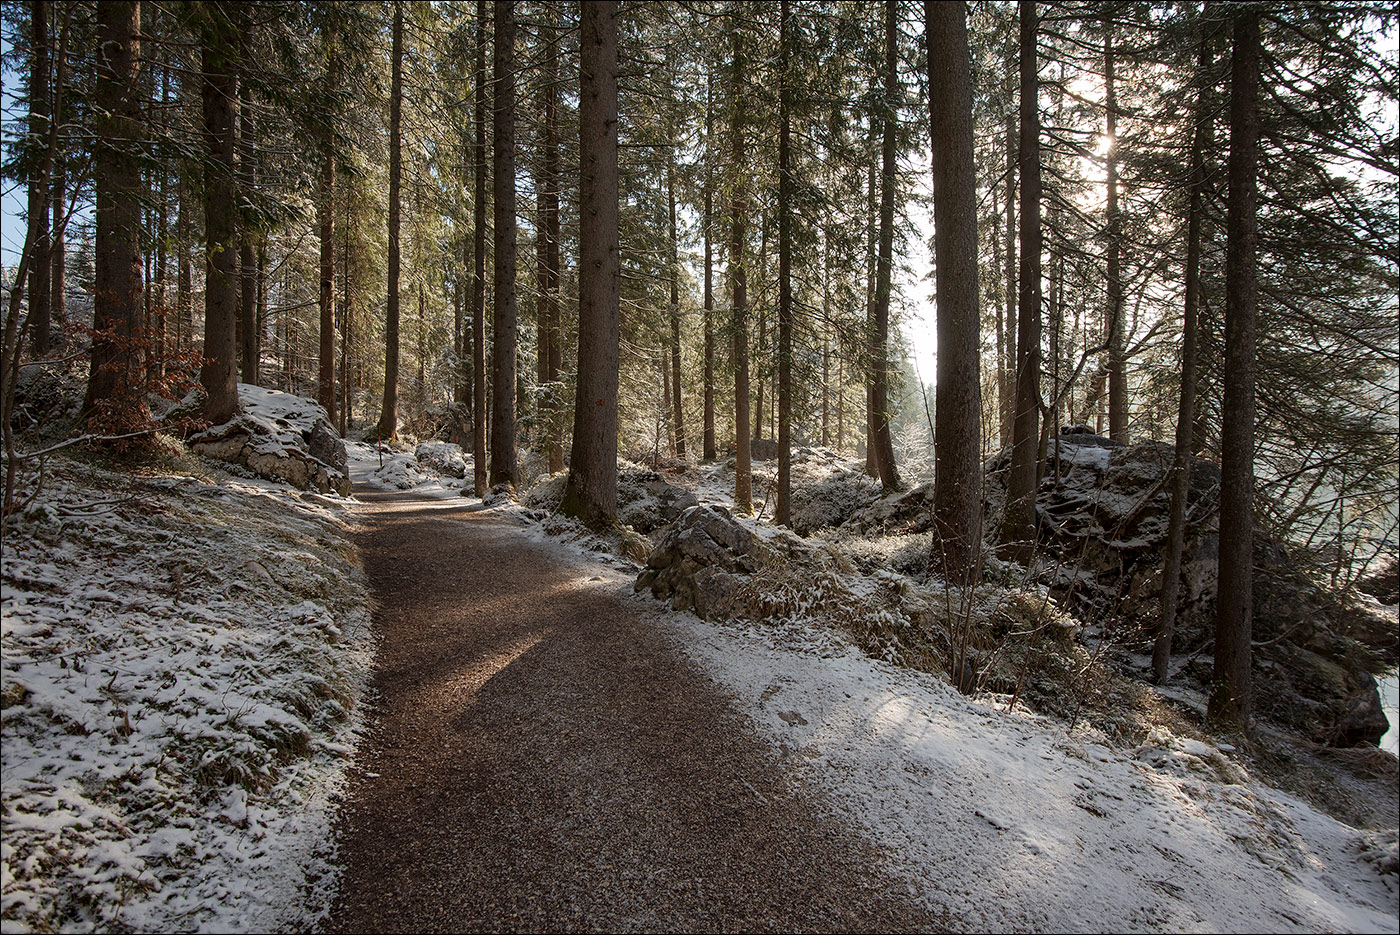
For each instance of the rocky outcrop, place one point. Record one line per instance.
(280, 437)
(443, 457)
(1102, 513)
(646, 501)
(704, 560)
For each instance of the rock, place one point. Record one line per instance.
(1383, 585)
(763, 449)
(1102, 514)
(827, 491)
(443, 457)
(896, 514)
(646, 500)
(326, 446)
(280, 437)
(697, 560)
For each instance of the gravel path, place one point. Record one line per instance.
(543, 759)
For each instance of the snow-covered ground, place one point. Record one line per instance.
(184, 660)
(1009, 823)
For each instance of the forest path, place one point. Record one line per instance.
(541, 758)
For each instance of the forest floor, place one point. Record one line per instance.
(542, 758)
(553, 752)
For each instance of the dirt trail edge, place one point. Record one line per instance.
(541, 758)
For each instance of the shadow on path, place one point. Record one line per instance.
(541, 759)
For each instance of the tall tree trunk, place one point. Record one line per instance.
(479, 259)
(347, 318)
(1230, 700)
(40, 268)
(325, 216)
(219, 375)
(884, 447)
(389, 414)
(708, 431)
(1018, 527)
(1006, 378)
(548, 235)
(872, 252)
(826, 341)
(58, 277)
(783, 511)
(590, 493)
(1186, 413)
(957, 492)
(1117, 364)
(117, 291)
(503, 306)
(677, 409)
(184, 268)
(738, 216)
(248, 268)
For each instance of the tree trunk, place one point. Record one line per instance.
(325, 211)
(347, 319)
(1186, 413)
(117, 177)
(219, 375)
(783, 511)
(503, 306)
(389, 414)
(248, 269)
(1230, 701)
(708, 441)
(1117, 364)
(677, 409)
(590, 494)
(1018, 527)
(884, 447)
(738, 216)
(957, 493)
(548, 235)
(40, 269)
(479, 258)
(1006, 377)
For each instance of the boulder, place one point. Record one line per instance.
(903, 513)
(698, 560)
(443, 457)
(646, 501)
(280, 437)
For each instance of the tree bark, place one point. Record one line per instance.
(1230, 699)
(548, 235)
(117, 292)
(503, 306)
(1186, 412)
(957, 492)
(247, 262)
(1117, 363)
(738, 211)
(219, 375)
(1018, 526)
(708, 431)
(590, 493)
(783, 511)
(677, 409)
(40, 270)
(325, 210)
(389, 414)
(1006, 377)
(479, 259)
(884, 447)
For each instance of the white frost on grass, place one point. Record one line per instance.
(183, 662)
(1009, 824)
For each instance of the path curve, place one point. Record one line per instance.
(541, 758)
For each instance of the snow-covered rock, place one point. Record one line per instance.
(443, 457)
(280, 437)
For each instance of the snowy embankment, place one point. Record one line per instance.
(184, 660)
(1009, 822)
